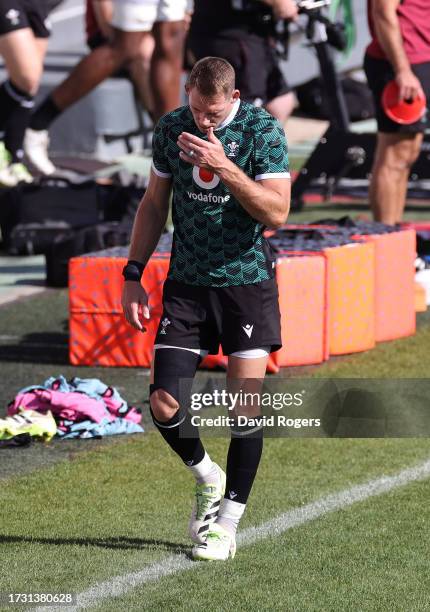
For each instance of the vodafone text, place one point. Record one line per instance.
(208, 197)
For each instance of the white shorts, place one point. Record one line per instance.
(140, 15)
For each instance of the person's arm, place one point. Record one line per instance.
(267, 200)
(387, 29)
(150, 219)
(147, 228)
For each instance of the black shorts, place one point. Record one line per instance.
(379, 72)
(19, 14)
(239, 318)
(258, 76)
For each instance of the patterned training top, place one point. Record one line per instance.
(216, 242)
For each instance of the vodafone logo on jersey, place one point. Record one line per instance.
(205, 178)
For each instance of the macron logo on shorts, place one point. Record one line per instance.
(248, 329)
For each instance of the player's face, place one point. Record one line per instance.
(210, 112)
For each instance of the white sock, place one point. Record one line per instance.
(205, 471)
(230, 513)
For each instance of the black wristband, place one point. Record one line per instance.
(133, 270)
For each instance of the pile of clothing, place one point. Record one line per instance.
(79, 408)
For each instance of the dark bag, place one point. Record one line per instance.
(315, 103)
(86, 240)
(31, 216)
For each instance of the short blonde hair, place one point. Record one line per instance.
(212, 76)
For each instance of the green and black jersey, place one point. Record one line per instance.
(216, 242)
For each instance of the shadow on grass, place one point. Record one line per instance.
(117, 543)
(45, 347)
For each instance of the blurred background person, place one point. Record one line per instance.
(242, 33)
(24, 33)
(400, 50)
(145, 36)
(100, 32)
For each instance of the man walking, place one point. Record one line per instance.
(227, 163)
(400, 50)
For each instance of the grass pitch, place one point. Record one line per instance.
(74, 514)
(114, 510)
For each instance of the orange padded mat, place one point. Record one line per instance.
(350, 298)
(302, 302)
(99, 334)
(326, 301)
(394, 284)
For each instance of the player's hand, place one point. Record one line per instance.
(409, 85)
(135, 304)
(285, 9)
(207, 154)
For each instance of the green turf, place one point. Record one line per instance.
(120, 507)
(75, 512)
(30, 357)
(369, 558)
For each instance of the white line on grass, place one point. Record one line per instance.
(121, 585)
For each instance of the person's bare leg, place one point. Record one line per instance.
(394, 156)
(23, 59)
(23, 55)
(166, 65)
(412, 155)
(282, 106)
(95, 67)
(42, 46)
(139, 70)
(92, 70)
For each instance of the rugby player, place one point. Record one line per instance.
(227, 164)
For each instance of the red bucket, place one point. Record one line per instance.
(405, 111)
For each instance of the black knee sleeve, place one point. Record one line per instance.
(174, 370)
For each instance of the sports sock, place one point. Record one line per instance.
(243, 459)
(11, 97)
(15, 111)
(15, 130)
(44, 114)
(229, 515)
(206, 471)
(182, 437)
